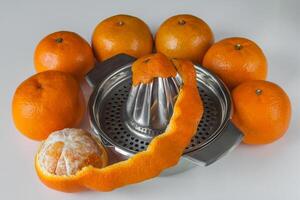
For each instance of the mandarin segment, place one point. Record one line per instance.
(50, 155)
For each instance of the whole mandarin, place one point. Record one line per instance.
(184, 37)
(46, 102)
(262, 111)
(64, 51)
(236, 60)
(121, 34)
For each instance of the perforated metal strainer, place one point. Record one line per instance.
(108, 110)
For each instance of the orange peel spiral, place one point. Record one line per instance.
(163, 152)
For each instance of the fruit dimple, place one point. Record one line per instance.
(181, 22)
(120, 23)
(67, 151)
(146, 60)
(38, 85)
(59, 40)
(238, 46)
(258, 92)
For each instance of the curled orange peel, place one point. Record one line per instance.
(163, 152)
(151, 66)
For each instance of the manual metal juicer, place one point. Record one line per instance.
(127, 117)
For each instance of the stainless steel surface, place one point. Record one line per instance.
(149, 107)
(109, 116)
(229, 138)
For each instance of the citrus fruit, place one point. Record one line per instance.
(262, 111)
(185, 37)
(67, 151)
(236, 60)
(164, 151)
(45, 102)
(64, 51)
(121, 34)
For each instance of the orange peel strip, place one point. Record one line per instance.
(163, 152)
(151, 66)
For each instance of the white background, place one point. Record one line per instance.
(250, 172)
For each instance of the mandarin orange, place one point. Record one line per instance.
(121, 34)
(64, 51)
(45, 102)
(262, 111)
(65, 152)
(236, 60)
(184, 37)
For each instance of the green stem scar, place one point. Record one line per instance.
(238, 46)
(120, 23)
(59, 40)
(181, 22)
(258, 92)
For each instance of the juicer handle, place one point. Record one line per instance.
(227, 140)
(102, 69)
